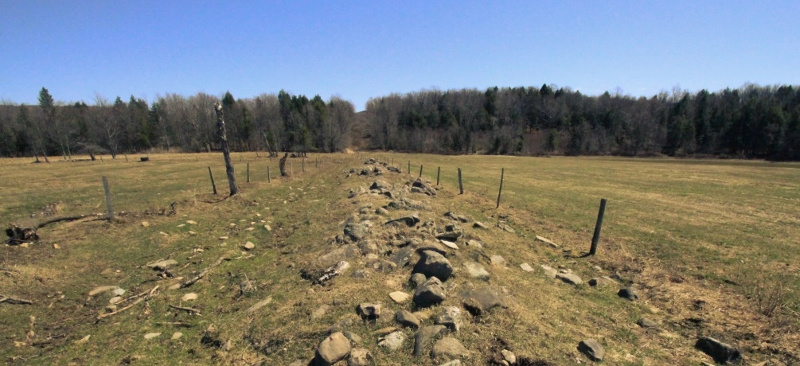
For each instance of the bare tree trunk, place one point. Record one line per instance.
(226, 150)
(282, 165)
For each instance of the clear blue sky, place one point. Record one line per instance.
(363, 49)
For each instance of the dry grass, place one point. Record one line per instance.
(709, 240)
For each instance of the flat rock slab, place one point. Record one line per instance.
(449, 347)
(151, 335)
(646, 323)
(475, 270)
(189, 297)
(480, 225)
(569, 278)
(340, 254)
(546, 241)
(449, 244)
(592, 349)
(549, 271)
(101, 289)
(719, 351)
(400, 297)
(163, 265)
(526, 267)
(498, 260)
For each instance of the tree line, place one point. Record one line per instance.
(281, 122)
(749, 122)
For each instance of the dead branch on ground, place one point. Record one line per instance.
(139, 298)
(14, 300)
(202, 274)
(188, 310)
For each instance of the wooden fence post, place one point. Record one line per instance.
(108, 199)
(303, 165)
(420, 170)
(598, 226)
(438, 171)
(269, 180)
(248, 172)
(409, 167)
(214, 186)
(460, 185)
(502, 175)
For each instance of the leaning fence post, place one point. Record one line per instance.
(598, 226)
(108, 199)
(460, 185)
(214, 186)
(420, 170)
(502, 174)
(438, 171)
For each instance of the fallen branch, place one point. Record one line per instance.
(202, 274)
(14, 300)
(188, 310)
(139, 298)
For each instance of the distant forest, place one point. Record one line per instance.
(750, 122)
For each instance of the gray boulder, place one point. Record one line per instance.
(433, 264)
(429, 293)
(425, 336)
(332, 350)
(721, 352)
(592, 349)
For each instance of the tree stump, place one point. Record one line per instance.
(282, 165)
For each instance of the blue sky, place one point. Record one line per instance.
(362, 49)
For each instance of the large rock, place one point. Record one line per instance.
(628, 293)
(720, 352)
(592, 349)
(402, 257)
(393, 341)
(369, 311)
(359, 357)
(429, 293)
(163, 265)
(379, 185)
(409, 220)
(406, 319)
(423, 187)
(481, 300)
(356, 231)
(332, 349)
(433, 264)
(450, 318)
(425, 336)
(475, 270)
(417, 279)
(449, 347)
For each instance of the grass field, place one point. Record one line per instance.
(713, 240)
